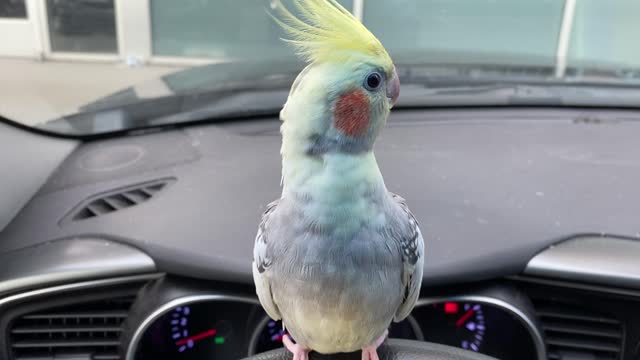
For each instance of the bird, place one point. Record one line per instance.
(337, 257)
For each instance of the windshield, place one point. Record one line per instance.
(84, 67)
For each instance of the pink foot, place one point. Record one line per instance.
(371, 352)
(299, 352)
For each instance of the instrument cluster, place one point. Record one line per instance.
(230, 330)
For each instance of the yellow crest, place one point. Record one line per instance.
(325, 31)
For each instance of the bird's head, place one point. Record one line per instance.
(342, 99)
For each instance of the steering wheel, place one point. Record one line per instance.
(392, 349)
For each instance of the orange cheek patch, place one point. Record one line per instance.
(352, 113)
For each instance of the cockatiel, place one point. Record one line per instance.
(337, 257)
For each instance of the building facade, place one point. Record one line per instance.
(554, 32)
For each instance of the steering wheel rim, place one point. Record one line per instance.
(392, 349)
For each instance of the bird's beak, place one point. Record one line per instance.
(393, 87)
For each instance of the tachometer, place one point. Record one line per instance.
(485, 325)
(473, 321)
(457, 324)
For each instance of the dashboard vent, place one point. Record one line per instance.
(85, 331)
(575, 333)
(123, 198)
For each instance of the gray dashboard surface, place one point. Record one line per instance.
(490, 188)
(26, 161)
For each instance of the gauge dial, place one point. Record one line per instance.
(182, 337)
(456, 324)
(473, 321)
(199, 330)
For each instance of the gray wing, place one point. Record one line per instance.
(262, 260)
(412, 246)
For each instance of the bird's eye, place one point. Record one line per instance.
(373, 81)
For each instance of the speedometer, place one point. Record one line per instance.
(197, 330)
(184, 339)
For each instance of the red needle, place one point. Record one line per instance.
(464, 318)
(202, 335)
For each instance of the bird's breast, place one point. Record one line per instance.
(339, 295)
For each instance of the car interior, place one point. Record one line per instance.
(127, 228)
(139, 246)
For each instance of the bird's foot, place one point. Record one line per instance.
(299, 352)
(371, 352)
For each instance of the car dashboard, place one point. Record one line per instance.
(139, 247)
(158, 316)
